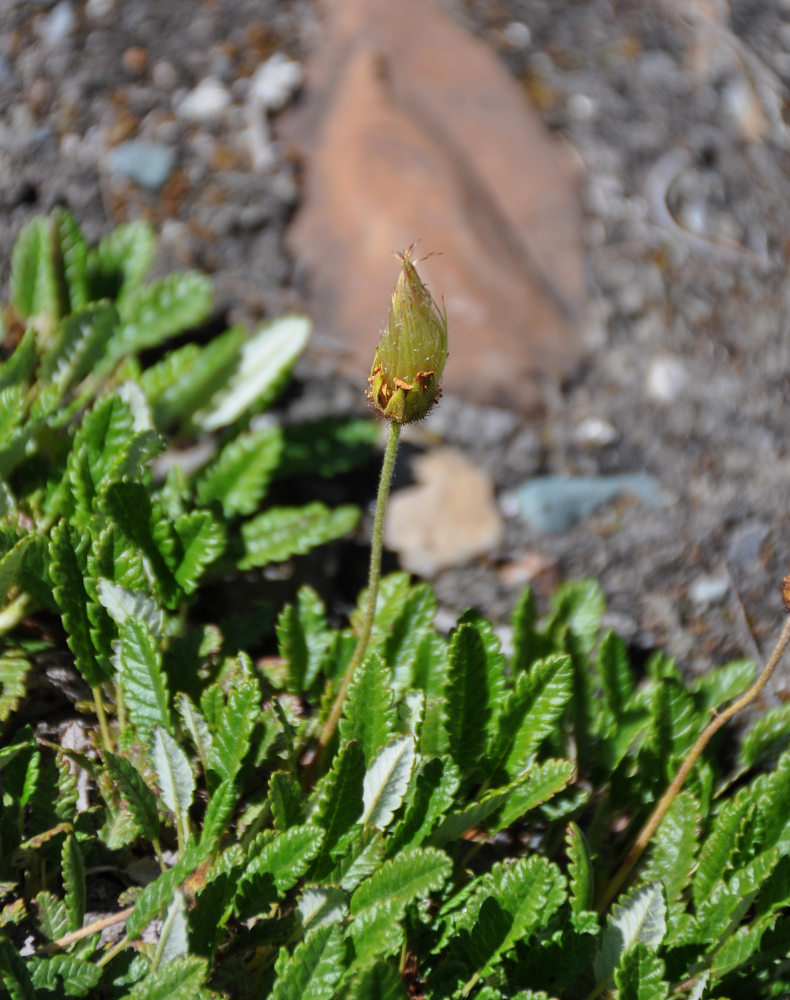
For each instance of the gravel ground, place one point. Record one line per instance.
(676, 111)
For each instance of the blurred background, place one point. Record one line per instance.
(605, 187)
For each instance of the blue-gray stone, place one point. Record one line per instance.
(148, 164)
(555, 503)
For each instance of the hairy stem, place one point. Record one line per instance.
(669, 796)
(374, 575)
(98, 701)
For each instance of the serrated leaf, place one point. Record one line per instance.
(319, 906)
(81, 346)
(434, 793)
(364, 857)
(674, 845)
(768, 736)
(457, 822)
(121, 261)
(282, 532)
(202, 541)
(158, 894)
(14, 975)
(68, 569)
(151, 314)
(717, 847)
(53, 917)
(173, 773)
(640, 916)
(314, 969)
(239, 477)
(143, 682)
(539, 698)
(73, 867)
(181, 979)
(139, 798)
(121, 604)
(303, 639)
(11, 563)
(368, 712)
(736, 950)
(266, 358)
(64, 975)
(639, 975)
(540, 784)
(617, 682)
(580, 870)
(73, 257)
(15, 371)
(339, 802)
(468, 704)
(580, 605)
(179, 385)
(220, 808)
(232, 735)
(411, 875)
(386, 781)
(34, 285)
(196, 726)
(14, 670)
(407, 632)
(285, 797)
(380, 982)
(507, 905)
(280, 864)
(174, 937)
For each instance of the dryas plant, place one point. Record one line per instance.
(449, 836)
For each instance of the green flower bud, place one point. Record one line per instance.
(410, 357)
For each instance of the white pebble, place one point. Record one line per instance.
(709, 589)
(276, 81)
(666, 378)
(581, 107)
(56, 26)
(595, 432)
(206, 102)
(517, 35)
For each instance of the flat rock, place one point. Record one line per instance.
(413, 130)
(447, 519)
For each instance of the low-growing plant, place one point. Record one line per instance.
(375, 811)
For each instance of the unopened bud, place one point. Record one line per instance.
(410, 357)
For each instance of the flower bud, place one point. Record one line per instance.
(410, 357)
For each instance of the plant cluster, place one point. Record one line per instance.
(452, 825)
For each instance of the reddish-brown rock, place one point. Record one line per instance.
(411, 129)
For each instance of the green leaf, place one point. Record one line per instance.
(64, 975)
(766, 738)
(196, 726)
(674, 846)
(54, 918)
(174, 937)
(282, 532)
(315, 967)
(73, 881)
(434, 793)
(68, 569)
(580, 870)
(73, 259)
(638, 916)
(16, 370)
(411, 875)
(406, 634)
(181, 979)
(81, 346)
(468, 698)
(173, 773)
(639, 975)
(143, 682)
(540, 783)
(239, 477)
(507, 905)
(283, 860)
(303, 639)
(368, 712)
(121, 261)
(219, 811)
(266, 358)
(579, 605)
(120, 604)
(14, 670)
(319, 905)
(179, 385)
(380, 982)
(138, 796)
(617, 682)
(339, 805)
(14, 975)
(532, 710)
(285, 797)
(151, 314)
(156, 896)
(232, 735)
(387, 780)
(327, 447)
(202, 540)
(717, 848)
(11, 563)
(34, 284)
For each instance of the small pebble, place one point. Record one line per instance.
(135, 59)
(54, 28)
(148, 164)
(666, 378)
(99, 9)
(707, 589)
(594, 432)
(581, 107)
(551, 504)
(163, 75)
(517, 35)
(276, 81)
(206, 102)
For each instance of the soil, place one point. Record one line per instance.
(676, 111)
